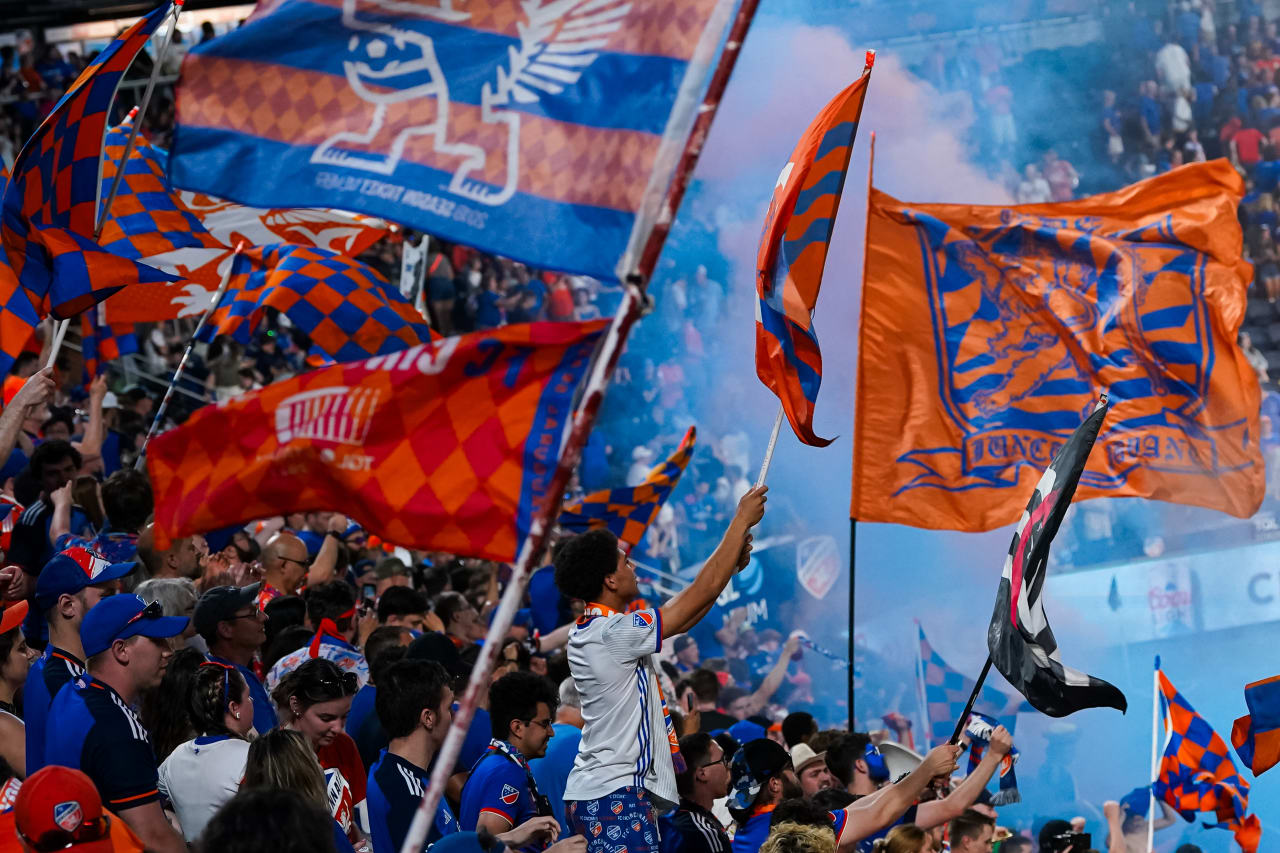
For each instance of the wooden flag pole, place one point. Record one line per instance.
(607, 356)
(186, 354)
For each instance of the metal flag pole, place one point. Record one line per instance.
(186, 354)
(1155, 755)
(59, 333)
(137, 114)
(597, 384)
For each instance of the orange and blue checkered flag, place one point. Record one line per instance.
(628, 512)
(793, 252)
(101, 342)
(51, 202)
(1256, 735)
(18, 317)
(1196, 773)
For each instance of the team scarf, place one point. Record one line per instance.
(594, 610)
(979, 731)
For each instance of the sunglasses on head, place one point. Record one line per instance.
(344, 685)
(154, 610)
(61, 839)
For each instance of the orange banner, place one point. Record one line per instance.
(447, 446)
(987, 334)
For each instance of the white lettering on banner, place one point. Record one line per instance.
(339, 414)
(427, 359)
(397, 194)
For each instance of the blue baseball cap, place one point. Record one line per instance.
(73, 570)
(123, 616)
(745, 730)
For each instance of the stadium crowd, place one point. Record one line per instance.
(302, 669)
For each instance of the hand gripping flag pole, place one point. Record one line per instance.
(60, 332)
(651, 232)
(141, 461)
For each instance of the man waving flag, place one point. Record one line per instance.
(793, 252)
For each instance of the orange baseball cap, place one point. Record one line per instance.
(13, 616)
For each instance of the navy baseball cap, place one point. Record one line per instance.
(73, 570)
(123, 616)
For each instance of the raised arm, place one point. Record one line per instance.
(773, 680)
(966, 793)
(681, 612)
(37, 390)
(90, 446)
(869, 815)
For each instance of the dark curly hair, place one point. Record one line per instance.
(583, 562)
(515, 696)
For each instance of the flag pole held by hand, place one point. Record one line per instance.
(973, 698)
(768, 451)
(186, 354)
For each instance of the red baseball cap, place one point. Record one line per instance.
(13, 616)
(59, 808)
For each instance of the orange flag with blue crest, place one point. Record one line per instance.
(793, 252)
(989, 332)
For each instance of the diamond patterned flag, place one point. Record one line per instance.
(101, 343)
(946, 692)
(545, 128)
(628, 512)
(1196, 773)
(51, 202)
(447, 446)
(18, 317)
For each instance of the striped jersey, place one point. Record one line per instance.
(612, 657)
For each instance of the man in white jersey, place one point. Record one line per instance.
(625, 773)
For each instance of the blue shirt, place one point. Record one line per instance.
(497, 785)
(551, 772)
(692, 829)
(52, 671)
(361, 707)
(313, 541)
(264, 712)
(92, 729)
(394, 792)
(752, 834)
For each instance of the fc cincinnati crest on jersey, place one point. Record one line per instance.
(509, 795)
(642, 619)
(617, 808)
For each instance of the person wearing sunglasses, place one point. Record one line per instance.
(71, 585)
(203, 773)
(314, 700)
(692, 828)
(43, 812)
(501, 792)
(92, 725)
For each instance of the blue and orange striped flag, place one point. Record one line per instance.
(628, 512)
(793, 252)
(52, 200)
(1196, 773)
(539, 130)
(1256, 735)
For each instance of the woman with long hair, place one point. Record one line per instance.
(164, 710)
(314, 700)
(204, 772)
(283, 760)
(15, 660)
(905, 838)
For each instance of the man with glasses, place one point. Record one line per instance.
(233, 627)
(92, 726)
(626, 768)
(284, 564)
(501, 792)
(692, 828)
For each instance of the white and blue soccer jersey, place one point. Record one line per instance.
(624, 739)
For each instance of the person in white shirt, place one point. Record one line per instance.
(625, 772)
(202, 774)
